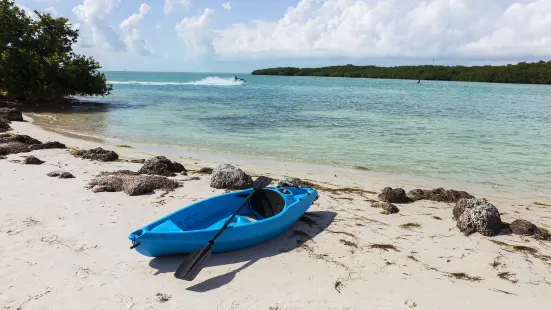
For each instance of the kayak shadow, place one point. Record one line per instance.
(308, 227)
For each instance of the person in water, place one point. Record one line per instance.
(235, 77)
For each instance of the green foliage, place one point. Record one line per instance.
(37, 61)
(524, 73)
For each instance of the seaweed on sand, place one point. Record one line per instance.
(410, 225)
(463, 276)
(384, 247)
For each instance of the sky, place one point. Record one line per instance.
(243, 35)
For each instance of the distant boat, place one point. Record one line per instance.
(238, 79)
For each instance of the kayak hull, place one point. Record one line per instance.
(190, 228)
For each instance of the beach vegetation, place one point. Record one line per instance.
(341, 232)
(463, 276)
(522, 72)
(507, 276)
(37, 61)
(410, 225)
(384, 247)
(349, 243)
(204, 170)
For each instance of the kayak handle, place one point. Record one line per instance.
(134, 246)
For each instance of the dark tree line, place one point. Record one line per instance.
(522, 73)
(37, 62)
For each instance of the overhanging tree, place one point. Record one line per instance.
(37, 62)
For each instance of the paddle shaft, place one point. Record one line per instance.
(231, 217)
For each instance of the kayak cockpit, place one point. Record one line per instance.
(211, 214)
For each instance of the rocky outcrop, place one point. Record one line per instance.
(4, 125)
(96, 154)
(131, 183)
(396, 195)
(388, 208)
(439, 194)
(13, 144)
(13, 148)
(525, 228)
(52, 145)
(160, 165)
(229, 177)
(18, 138)
(11, 114)
(477, 215)
(294, 182)
(31, 160)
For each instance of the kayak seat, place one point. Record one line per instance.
(266, 203)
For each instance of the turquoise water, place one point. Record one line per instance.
(495, 135)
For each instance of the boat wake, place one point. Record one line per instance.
(208, 81)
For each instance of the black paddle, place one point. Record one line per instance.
(195, 261)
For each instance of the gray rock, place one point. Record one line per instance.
(439, 194)
(388, 208)
(96, 154)
(11, 114)
(61, 175)
(477, 215)
(31, 160)
(2, 157)
(160, 165)
(54, 174)
(417, 194)
(460, 207)
(130, 183)
(525, 228)
(397, 195)
(229, 177)
(4, 125)
(294, 182)
(66, 175)
(138, 188)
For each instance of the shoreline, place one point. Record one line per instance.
(73, 244)
(369, 180)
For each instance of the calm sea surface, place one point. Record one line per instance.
(492, 135)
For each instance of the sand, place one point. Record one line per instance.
(65, 247)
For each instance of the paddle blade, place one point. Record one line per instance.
(261, 182)
(194, 263)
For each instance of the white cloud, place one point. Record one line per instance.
(52, 11)
(195, 34)
(226, 6)
(93, 14)
(28, 11)
(131, 28)
(171, 5)
(394, 28)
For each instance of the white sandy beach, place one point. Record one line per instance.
(64, 247)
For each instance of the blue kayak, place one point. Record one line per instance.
(268, 213)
